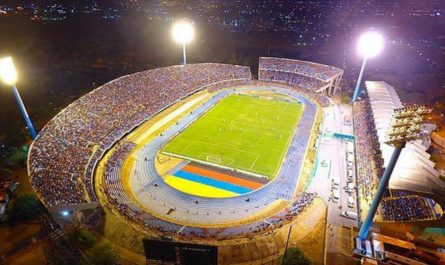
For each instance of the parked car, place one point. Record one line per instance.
(351, 202)
(350, 215)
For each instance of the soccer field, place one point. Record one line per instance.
(242, 132)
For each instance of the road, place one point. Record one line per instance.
(332, 167)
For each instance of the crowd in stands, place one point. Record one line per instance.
(369, 161)
(249, 230)
(370, 168)
(63, 156)
(303, 81)
(407, 208)
(309, 69)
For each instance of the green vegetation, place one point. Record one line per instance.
(101, 255)
(25, 208)
(15, 158)
(95, 254)
(84, 237)
(243, 132)
(345, 98)
(294, 256)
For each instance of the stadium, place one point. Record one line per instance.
(205, 153)
(188, 150)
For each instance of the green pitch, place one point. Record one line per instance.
(242, 132)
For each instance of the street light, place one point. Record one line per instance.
(369, 45)
(9, 76)
(182, 33)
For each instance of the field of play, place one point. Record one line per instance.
(243, 132)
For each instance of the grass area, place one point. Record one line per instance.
(242, 132)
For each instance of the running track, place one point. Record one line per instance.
(158, 197)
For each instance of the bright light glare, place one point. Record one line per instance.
(7, 71)
(183, 32)
(370, 44)
(65, 213)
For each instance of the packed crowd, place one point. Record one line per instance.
(370, 167)
(407, 208)
(310, 69)
(303, 81)
(283, 217)
(259, 227)
(369, 161)
(249, 230)
(63, 156)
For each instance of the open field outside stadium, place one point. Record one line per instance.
(248, 133)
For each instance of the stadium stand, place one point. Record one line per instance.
(308, 75)
(414, 180)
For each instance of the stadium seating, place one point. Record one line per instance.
(70, 144)
(370, 168)
(308, 75)
(305, 68)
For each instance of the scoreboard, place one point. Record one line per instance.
(176, 253)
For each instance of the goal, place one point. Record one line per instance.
(213, 159)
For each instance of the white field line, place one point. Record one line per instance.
(187, 146)
(169, 117)
(256, 175)
(258, 155)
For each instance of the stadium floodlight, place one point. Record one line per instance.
(8, 74)
(7, 71)
(398, 135)
(183, 33)
(370, 44)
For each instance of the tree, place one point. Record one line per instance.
(294, 256)
(102, 255)
(345, 98)
(25, 208)
(84, 237)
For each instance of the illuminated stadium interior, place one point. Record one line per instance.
(134, 154)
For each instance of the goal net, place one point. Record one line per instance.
(213, 159)
(163, 158)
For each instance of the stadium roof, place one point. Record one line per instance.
(414, 170)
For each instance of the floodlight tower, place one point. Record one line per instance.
(369, 45)
(405, 126)
(183, 33)
(9, 76)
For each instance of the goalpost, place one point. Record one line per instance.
(165, 158)
(213, 159)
